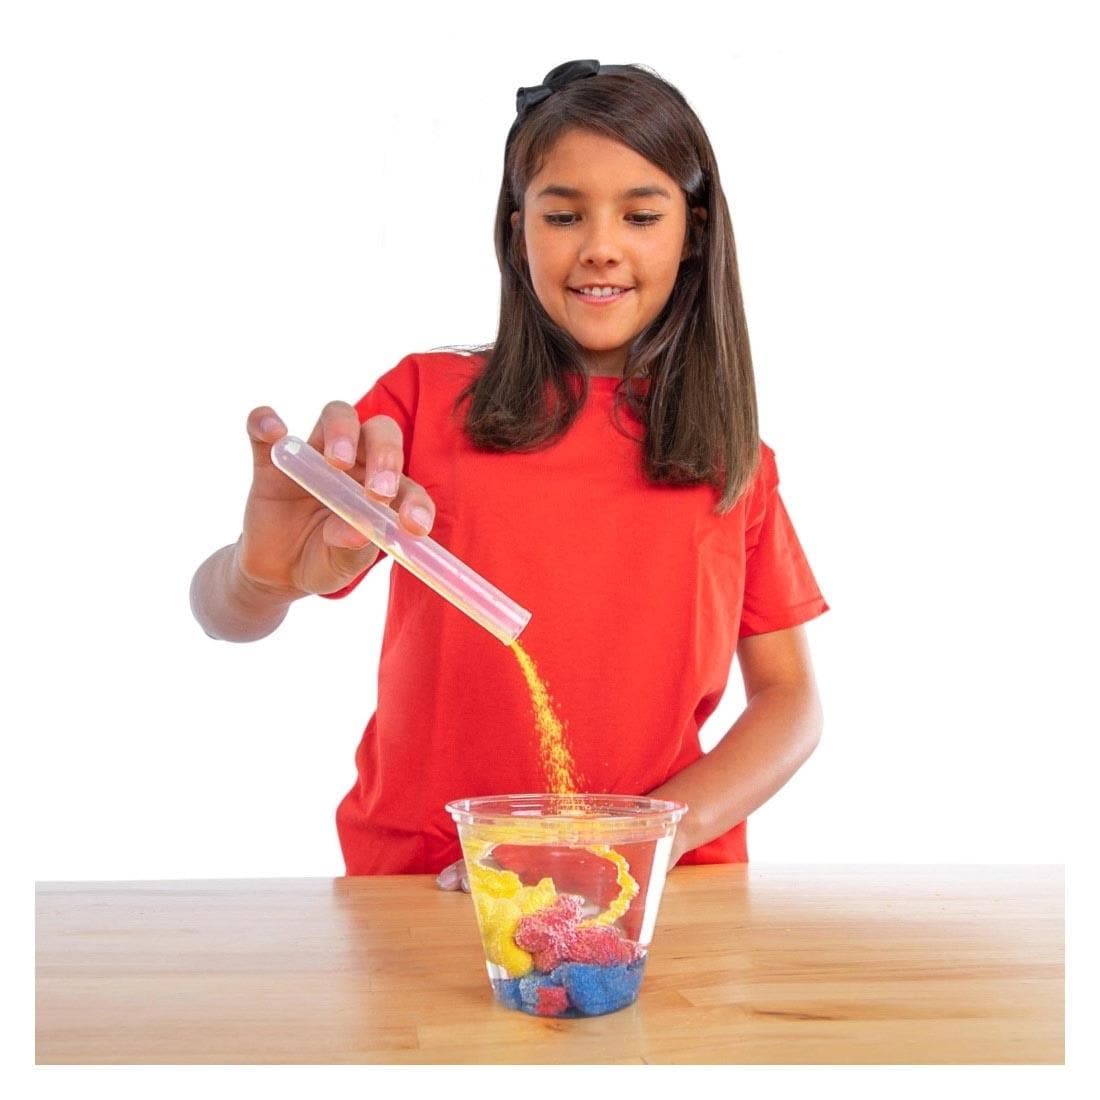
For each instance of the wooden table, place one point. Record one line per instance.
(756, 964)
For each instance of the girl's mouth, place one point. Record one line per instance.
(600, 299)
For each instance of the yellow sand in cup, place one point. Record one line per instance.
(502, 901)
(628, 887)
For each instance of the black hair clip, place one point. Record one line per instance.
(553, 81)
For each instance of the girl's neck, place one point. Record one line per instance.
(607, 364)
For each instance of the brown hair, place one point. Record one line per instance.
(699, 415)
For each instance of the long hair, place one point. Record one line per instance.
(699, 415)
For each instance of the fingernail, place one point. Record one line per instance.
(383, 482)
(344, 450)
(446, 878)
(422, 516)
(271, 424)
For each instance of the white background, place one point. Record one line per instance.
(213, 206)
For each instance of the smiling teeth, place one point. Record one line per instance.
(601, 292)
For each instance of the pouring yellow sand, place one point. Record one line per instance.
(556, 758)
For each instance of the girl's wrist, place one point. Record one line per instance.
(253, 595)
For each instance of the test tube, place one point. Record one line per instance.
(421, 555)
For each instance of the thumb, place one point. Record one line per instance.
(264, 427)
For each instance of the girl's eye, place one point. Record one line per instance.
(642, 220)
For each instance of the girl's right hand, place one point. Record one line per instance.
(291, 544)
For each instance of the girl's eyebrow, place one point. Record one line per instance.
(643, 192)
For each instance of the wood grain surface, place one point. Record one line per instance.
(750, 964)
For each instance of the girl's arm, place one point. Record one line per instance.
(228, 605)
(778, 729)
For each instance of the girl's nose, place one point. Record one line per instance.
(601, 243)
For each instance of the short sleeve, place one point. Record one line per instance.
(780, 589)
(394, 394)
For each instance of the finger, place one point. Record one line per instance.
(342, 536)
(336, 434)
(450, 878)
(415, 509)
(383, 456)
(264, 427)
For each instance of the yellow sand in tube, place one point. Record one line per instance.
(557, 762)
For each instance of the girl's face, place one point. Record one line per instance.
(598, 214)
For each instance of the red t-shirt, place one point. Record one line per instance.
(638, 594)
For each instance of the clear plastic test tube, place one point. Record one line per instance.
(420, 554)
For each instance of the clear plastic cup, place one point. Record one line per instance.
(566, 888)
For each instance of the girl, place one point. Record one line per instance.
(599, 463)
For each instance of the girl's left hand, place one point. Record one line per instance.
(454, 877)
